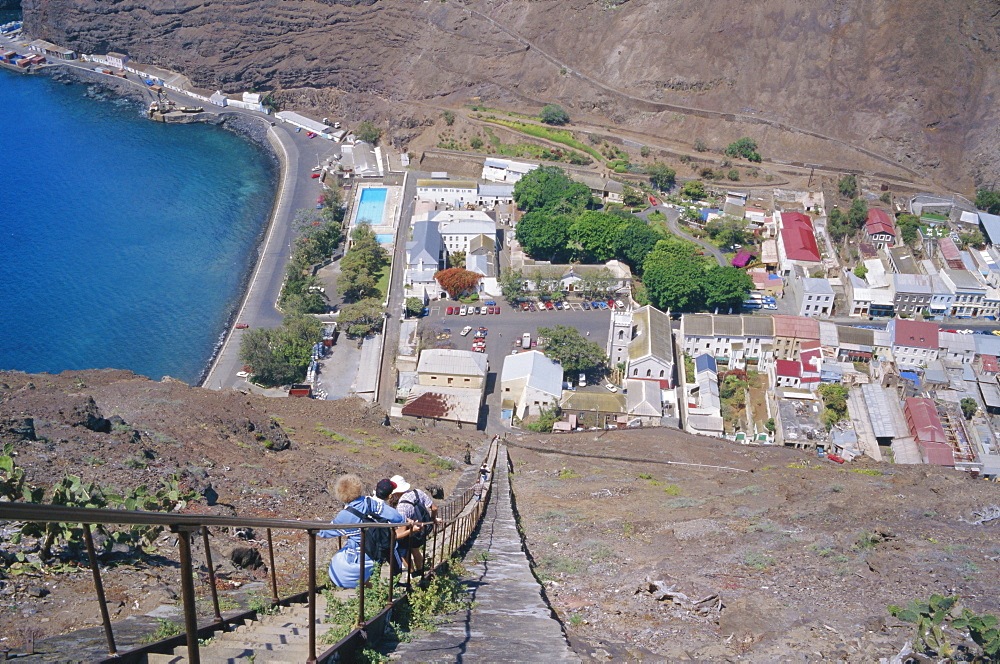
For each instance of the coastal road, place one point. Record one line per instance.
(394, 309)
(672, 215)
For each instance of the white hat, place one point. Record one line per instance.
(402, 486)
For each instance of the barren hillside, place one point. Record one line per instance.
(915, 82)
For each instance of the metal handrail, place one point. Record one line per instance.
(460, 521)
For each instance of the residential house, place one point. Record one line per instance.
(453, 193)
(530, 382)
(901, 260)
(702, 406)
(880, 229)
(789, 334)
(915, 343)
(739, 341)
(117, 60)
(505, 170)
(913, 293)
(798, 244)
(450, 386)
(924, 425)
(802, 373)
(859, 295)
(956, 349)
(424, 259)
(855, 344)
(969, 293)
(950, 255)
(51, 50)
(494, 195)
(458, 234)
(596, 409)
(606, 191)
(643, 403)
(360, 159)
(575, 278)
(651, 350)
(480, 256)
(989, 225)
(986, 263)
(817, 298)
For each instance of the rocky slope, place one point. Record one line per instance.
(913, 81)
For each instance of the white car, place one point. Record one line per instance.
(463, 311)
(465, 330)
(243, 374)
(610, 387)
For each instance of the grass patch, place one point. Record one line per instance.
(383, 282)
(406, 446)
(758, 561)
(752, 490)
(672, 490)
(556, 135)
(164, 630)
(443, 464)
(680, 503)
(867, 471)
(568, 474)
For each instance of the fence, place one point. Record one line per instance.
(460, 516)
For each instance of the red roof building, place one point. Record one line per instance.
(797, 237)
(925, 427)
(915, 333)
(950, 253)
(880, 228)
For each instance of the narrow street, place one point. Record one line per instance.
(672, 216)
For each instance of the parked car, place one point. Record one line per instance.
(835, 458)
(531, 306)
(242, 374)
(595, 305)
(586, 306)
(619, 304)
(241, 326)
(582, 380)
(496, 310)
(465, 330)
(610, 388)
(451, 310)
(549, 306)
(484, 310)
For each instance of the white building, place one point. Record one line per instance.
(504, 170)
(817, 298)
(453, 193)
(530, 382)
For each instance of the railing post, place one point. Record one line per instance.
(274, 572)
(99, 587)
(187, 593)
(361, 581)
(392, 563)
(312, 595)
(211, 574)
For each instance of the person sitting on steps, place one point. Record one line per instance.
(415, 505)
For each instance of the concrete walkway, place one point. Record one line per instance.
(509, 621)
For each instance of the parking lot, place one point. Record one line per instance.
(506, 328)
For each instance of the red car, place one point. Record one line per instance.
(451, 310)
(314, 176)
(652, 201)
(496, 310)
(549, 306)
(611, 304)
(836, 458)
(241, 326)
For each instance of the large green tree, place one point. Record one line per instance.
(744, 147)
(554, 114)
(694, 189)
(632, 197)
(661, 176)
(573, 350)
(362, 318)
(594, 234)
(857, 216)
(909, 226)
(361, 266)
(726, 287)
(511, 284)
(988, 200)
(544, 236)
(549, 188)
(281, 355)
(848, 186)
(368, 133)
(633, 242)
(673, 282)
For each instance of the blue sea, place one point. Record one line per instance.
(124, 243)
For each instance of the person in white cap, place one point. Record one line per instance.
(413, 505)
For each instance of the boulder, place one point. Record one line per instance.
(86, 414)
(245, 557)
(17, 429)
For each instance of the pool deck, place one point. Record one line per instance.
(390, 216)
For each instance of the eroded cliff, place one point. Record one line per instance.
(914, 81)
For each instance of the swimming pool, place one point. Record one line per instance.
(371, 207)
(385, 238)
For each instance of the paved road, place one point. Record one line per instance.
(504, 331)
(672, 215)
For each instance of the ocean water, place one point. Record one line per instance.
(124, 243)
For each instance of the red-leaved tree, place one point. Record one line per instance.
(457, 280)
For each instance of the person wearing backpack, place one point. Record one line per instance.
(345, 566)
(416, 506)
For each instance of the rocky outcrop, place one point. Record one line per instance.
(913, 80)
(86, 414)
(17, 429)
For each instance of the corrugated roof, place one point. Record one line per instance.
(948, 249)
(705, 362)
(643, 398)
(497, 190)
(699, 325)
(453, 362)
(603, 401)
(879, 221)
(925, 425)
(758, 326)
(728, 326)
(798, 238)
(654, 338)
(877, 401)
(788, 368)
(541, 372)
(855, 336)
(815, 285)
(915, 334)
(443, 403)
(991, 393)
(449, 184)
(796, 327)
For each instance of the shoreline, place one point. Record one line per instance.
(256, 130)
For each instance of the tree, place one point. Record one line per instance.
(835, 400)
(694, 189)
(544, 236)
(457, 281)
(573, 350)
(449, 118)
(554, 114)
(860, 271)
(633, 242)
(700, 145)
(857, 216)
(673, 283)
(848, 186)
(594, 234)
(546, 418)
(456, 259)
(361, 318)
(632, 197)
(744, 147)
(727, 232)
(414, 306)
(511, 284)
(476, 143)
(974, 239)
(549, 188)
(988, 200)
(661, 176)
(279, 356)
(969, 407)
(361, 266)
(368, 132)
(726, 287)
(909, 226)
(836, 225)
(733, 175)
(644, 151)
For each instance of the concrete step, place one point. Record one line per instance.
(254, 639)
(228, 654)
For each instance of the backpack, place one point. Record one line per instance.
(421, 514)
(376, 539)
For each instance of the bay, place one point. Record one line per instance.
(124, 243)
